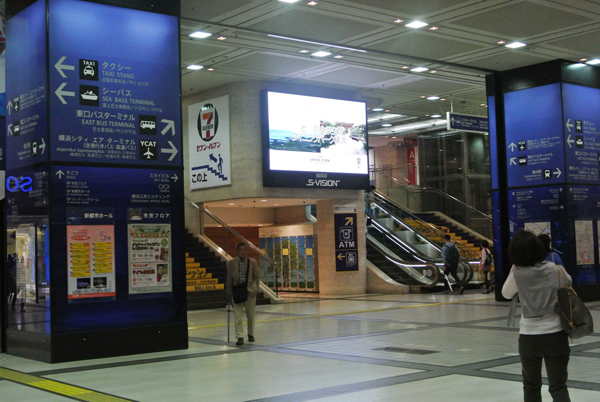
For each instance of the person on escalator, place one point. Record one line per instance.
(451, 257)
(370, 202)
(485, 265)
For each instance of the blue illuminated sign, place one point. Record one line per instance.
(114, 97)
(493, 141)
(534, 137)
(469, 123)
(14, 184)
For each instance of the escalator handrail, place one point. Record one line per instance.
(408, 268)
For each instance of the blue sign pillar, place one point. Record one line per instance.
(545, 131)
(94, 128)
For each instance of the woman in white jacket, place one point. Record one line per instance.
(541, 334)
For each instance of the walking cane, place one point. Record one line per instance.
(228, 318)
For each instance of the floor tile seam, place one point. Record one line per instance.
(518, 378)
(129, 363)
(593, 355)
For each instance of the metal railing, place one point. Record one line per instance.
(425, 199)
(270, 277)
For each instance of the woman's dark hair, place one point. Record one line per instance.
(485, 244)
(546, 241)
(525, 249)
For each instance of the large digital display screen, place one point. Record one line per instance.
(314, 142)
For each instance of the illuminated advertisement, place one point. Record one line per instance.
(314, 142)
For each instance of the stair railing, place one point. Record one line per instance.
(411, 197)
(272, 268)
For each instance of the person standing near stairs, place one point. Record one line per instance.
(451, 256)
(243, 270)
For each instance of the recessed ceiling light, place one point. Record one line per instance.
(419, 69)
(313, 3)
(433, 97)
(443, 99)
(194, 67)
(321, 54)
(501, 42)
(377, 109)
(289, 1)
(436, 115)
(583, 59)
(482, 104)
(593, 62)
(426, 115)
(263, 200)
(394, 137)
(405, 67)
(259, 225)
(275, 204)
(304, 51)
(200, 34)
(386, 125)
(516, 45)
(433, 71)
(387, 110)
(210, 69)
(422, 97)
(232, 203)
(338, 56)
(398, 21)
(417, 24)
(221, 38)
(434, 28)
(317, 43)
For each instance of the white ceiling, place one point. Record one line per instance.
(462, 51)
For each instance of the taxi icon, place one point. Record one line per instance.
(89, 70)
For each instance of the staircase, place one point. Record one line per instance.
(205, 277)
(453, 230)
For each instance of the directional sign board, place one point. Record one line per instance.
(114, 85)
(534, 138)
(582, 133)
(346, 238)
(26, 90)
(469, 123)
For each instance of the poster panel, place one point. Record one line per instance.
(25, 261)
(346, 237)
(538, 228)
(209, 143)
(584, 241)
(149, 252)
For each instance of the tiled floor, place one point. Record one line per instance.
(327, 349)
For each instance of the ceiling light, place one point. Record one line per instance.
(289, 1)
(313, 3)
(426, 115)
(516, 45)
(194, 67)
(263, 200)
(416, 24)
(304, 51)
(387, 110)
(593, 62)
(583, 59)
(435, 116)
(377, 109)
(433, 97)
(422, 97)
(482, 104)
(316, 43)
(419, 69)
(221, 38)
(443, 99)
(433, 71)
(321, 54)
(259, 225)
(210, 69)
(405, 67)
(501, 42)
(394, 137)
(398, 21)
(338, 56)
(434, 28)
(275, 204)
(386, 125)
(232, 203)
(200, 35)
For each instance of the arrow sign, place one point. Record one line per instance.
(10, 132)
(173, 151)
(513, 161)
(453, 120)
(9, 107)
(42, 146)
(60, 174)
(60, 67)
(212, 158)
(170, 126)
(174, 178)
(558, 173)
(512, 146)
(341, 256)
(570, 141)
(349, 221)
(569, 125)
(60, 93)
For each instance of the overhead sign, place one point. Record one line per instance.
(467, 122)
(534, 137)
(346, 237)
(111, 99)
(209, 143)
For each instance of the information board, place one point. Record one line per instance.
(468, 123)
(346, 237)
(581, 125)
(26, 90)
(209, 143)
(114, 97)
(534, 137)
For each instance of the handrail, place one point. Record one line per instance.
(435, 190)
(423, 223)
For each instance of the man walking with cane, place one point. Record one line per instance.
(243, 279)
(451, 256)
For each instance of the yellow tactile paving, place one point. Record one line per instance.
(59, 388)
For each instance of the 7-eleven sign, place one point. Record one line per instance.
(208, 122)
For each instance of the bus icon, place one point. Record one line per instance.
(145, 124)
